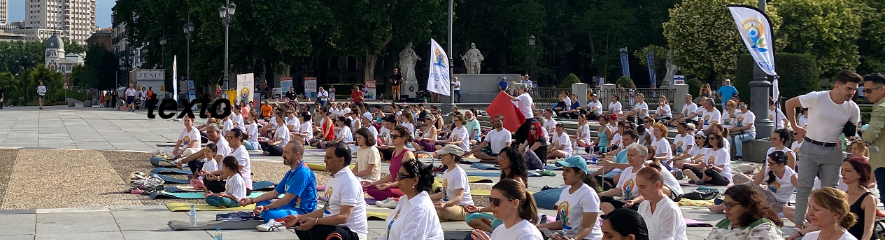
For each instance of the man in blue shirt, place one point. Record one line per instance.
(299, 187)
(612, 166)
(503, 84)
(726, 92)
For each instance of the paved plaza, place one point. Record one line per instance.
(99, 173)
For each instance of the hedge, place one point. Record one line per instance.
(798, 74)
(569, 80)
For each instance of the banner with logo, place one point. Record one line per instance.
(438, 80)
(285, 84)
(625, 62)
(310, 87)
(650, 59)
(245, 87)
(755, 30)
(370, 91)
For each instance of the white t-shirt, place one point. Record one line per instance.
(457, 85)
(235, 186)
(346, 133)
(583, 133)
(682, 142)
(130, 92)
(562, 140)
(409, 126)
(282, 133)
(322, 93)
(498, 139)
(787, 151)
(662, 149)
(814, 235)
(384, 134)
(726, 120)
(459, 134)
(525, 105)
(709, 117)
(670, 181)
(688, 109)
(223, 149)
(627, 183)
(666, 223)
(366, 157)
(245, 161)
(252, 130)
(523, 230)
(795, 147)
(374, 133)
(641, 109)
(306, 128)
(188, 137)
(240, 123)
(211, 166)
(293, 122)
(414, 218)
(745, 118)
(782, 187)
(343, 189)
(597, 105)
(228, 125)
(664, 111)
(778, 117)
(454, 179)
(719, 158)
(826, 117)
(615, 108)
(550, 126)
(802, 121)
(572, 206)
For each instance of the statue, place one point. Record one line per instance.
(407, 60)
(472, 59)
(671, 70)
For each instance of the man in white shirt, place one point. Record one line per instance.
(829, 113)
(130, 98)
(525, 105)
(343, 215)
(640, 109)
(549, 123)
(593, 109)
(188, 140)
(662, 216)
(744, 129)
(496, 139)
(711, 115)
(688, 111)
(195, 161)
(323, 96)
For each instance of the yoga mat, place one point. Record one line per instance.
(169, 179)
(369, 201)
(212, 225)
(547, 199)
(191, 195)
(688, 184)
(184, 207)
(170, 170)
(377, 215)
(484, 166)
(483, 174)
(161, 162)
(696, 223)
(320, 167)
(552, 167)
(263, 185)
(474, 192)
(473, 179)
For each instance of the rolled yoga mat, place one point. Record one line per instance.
(159, 161)
(212, 225)
(547, 199)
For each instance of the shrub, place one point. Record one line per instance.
(569, 80)
(798, 75)
(694, 86)
(625, 82)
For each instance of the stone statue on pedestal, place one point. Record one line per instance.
(473, 59)
(671, 69)
(407, 60)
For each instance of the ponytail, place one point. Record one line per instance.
(528, 210)
(514, 190)
(771, 177)
(587, 179)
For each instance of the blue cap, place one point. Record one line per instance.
(574, 161)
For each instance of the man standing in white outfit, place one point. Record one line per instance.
(525, 105)
(830, 112)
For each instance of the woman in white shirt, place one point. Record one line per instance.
(235, 186)
(778, 180)
(582, 135)
(251, 129)
(368, 159)
(344, 134)
(304, 132)
(459, 134)
(716, 164)
(828, 210)
(661, 144)
(407, 120)
(578, 204)
(512, 204)
(664, 113)
(728, 119)
(414, 217)
(614, 107)
(776, 115)
(274, 147)
(455, 196)
(427, 140)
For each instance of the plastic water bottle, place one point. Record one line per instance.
(594, 160)
(193, 215)
(218, 234)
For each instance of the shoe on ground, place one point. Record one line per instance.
(678, 174)
(388, 203)
(271, 226)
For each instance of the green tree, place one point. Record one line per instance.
(51, 79)
(73, 47)
(872, 35)
(704, 38)
(99, 69)
(826, 29)
(18, 55)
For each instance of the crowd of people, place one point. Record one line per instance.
(638, 182)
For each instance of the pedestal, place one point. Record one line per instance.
(410, 88)
(580, 89)
(759, 95)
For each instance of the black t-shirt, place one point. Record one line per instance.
(290, 96)
(397, 79)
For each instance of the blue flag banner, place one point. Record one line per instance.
(755, 30)
(650, 58)
(625, 63)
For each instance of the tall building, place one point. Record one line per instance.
(4, 12)
(74, 19)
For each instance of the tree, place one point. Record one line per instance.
(51, 79)
(705, 40)
(73, 47)
(18, 55)
(872, 35)
(826, 29)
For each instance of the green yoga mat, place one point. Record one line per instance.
(191, 195)
(212, 225)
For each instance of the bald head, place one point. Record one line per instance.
(292, 154)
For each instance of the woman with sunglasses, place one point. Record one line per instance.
(387, 187)
(778, 181)
(578, 204)
(747, 216)
(779, 139)
(715, 168)
(515, 206)
(536, 142)
(414, 217)
(512, 166)
(856, 172)
(829, 211)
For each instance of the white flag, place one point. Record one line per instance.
(438, 81)
(755, 30)
(175, 77)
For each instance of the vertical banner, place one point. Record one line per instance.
(245, 87)
(650, 59)
(755, 30)
(625, 62)
(438, 81)
(285, 84)
(175, 78)
(191, 91)
(370, 90)
(310, 87)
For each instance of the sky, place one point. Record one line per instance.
(102, 16)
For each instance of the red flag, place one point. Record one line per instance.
(502, 105)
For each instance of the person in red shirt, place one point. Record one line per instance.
(150, 93)
(356, 94)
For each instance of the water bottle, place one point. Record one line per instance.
(193, 215)
(594, 160)
(218, 234)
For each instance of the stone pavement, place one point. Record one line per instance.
(100, 129)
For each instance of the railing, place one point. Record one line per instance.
(547, 97)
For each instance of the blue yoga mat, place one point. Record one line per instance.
(170, 170)
(547, 199)
(484, 174)
(482, 166)
(169, 179)
(552, 167)
(161, 162)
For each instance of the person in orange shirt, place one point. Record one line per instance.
(265, 110)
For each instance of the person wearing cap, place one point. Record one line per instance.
(562, 145)
(503, 84)
(726, 92)
(626, 187)
(496, 139)
(455, 195)
(578, 205)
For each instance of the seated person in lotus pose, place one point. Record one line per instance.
(188, 141)
(495, 140)
(235, 186)
(298, 185)
(274, 146)
(613, 164)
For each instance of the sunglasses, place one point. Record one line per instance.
(393, 136)
(700, 138)
(794, 134)
(495, 201)
(870, 90)
(404, 176)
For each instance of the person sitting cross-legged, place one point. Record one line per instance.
(344, 214)
(415, 215)
(299, 187)
(451, 202)
(495, 140)
(188, 141)
(235, 186)
(663, 216)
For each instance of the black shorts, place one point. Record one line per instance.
(130, 99)
(41, 96)
(617, 203)
(716, 178)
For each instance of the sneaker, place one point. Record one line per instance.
(678, 174)
(271, 226)
(388, 203)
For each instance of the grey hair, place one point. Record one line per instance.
(640, 149)
(521, 86)
(214, 126)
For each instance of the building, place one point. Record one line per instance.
(9, 37)
(103, 37)
(57, 60)
(33, 34)
(4, 12)
(74, 18)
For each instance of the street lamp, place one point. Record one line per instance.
(163, 46)
(226, 12)
(532, 44)
(188, 30)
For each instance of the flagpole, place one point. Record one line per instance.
(447, 106)
(759, 94)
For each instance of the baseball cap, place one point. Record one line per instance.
(574, 161)
(451, 149)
